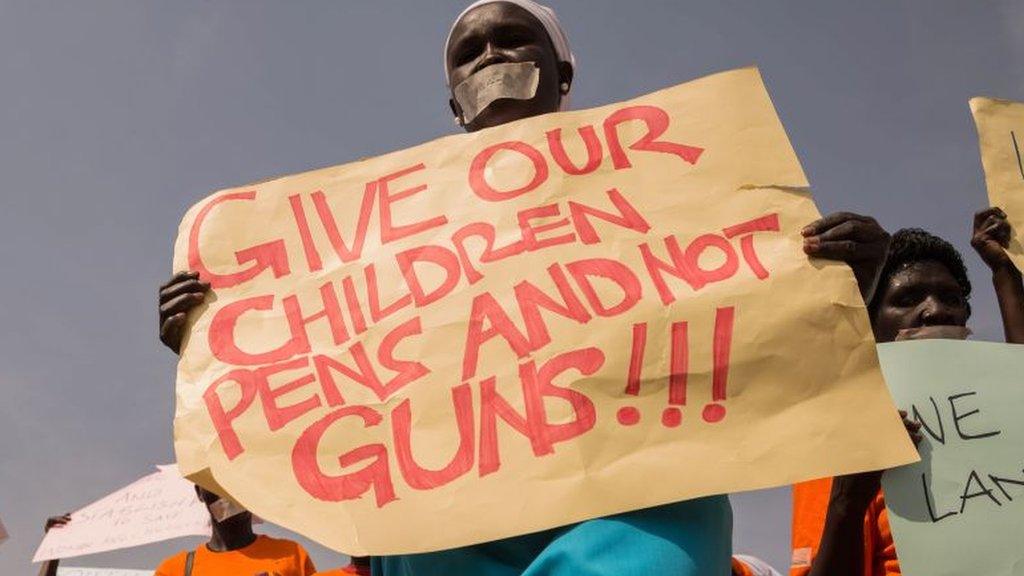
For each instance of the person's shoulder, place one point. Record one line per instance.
(172, 564)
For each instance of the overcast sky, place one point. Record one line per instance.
(117, 116)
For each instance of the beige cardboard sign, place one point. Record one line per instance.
(495, 333)
(1000, 126)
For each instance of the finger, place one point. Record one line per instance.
(981, 230)
(998, 230)
(182, 303)
(190, 285)
(994, 228)
(170, 330)
(179, 277)
(842, 231)
(982, 215)
(1001, 231)
(845, 250)
(830, 221)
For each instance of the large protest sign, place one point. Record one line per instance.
(959, 510)
(1000, 126)
(159, 506)
(565, 317)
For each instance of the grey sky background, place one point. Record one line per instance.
(116, 116)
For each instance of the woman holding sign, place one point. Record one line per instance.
(841, 526)
(506, 60)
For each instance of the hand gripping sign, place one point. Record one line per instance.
(564, 317)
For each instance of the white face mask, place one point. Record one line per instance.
(934, 333)
(222, 509)
(516, 81)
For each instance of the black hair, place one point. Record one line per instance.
(910, 245)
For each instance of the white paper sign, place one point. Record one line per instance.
(72, 571)
(160, 506)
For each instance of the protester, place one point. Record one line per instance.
(49, 568)
(840, 526)
(234, 549)
(686, 538)
(990, 238)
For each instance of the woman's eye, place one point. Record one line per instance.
(515, 38)
(952, 299)
(906, 300)
(466, 54)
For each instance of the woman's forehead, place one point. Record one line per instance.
(483, 19)
(922, 272)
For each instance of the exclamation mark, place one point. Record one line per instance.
(630, 415)
(679, 368)
(720, 372)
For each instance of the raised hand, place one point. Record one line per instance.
(991, 236)
(57, 521)
(857, 240)
(179, 295)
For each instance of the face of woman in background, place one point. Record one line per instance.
(920, 294)
(497, 33)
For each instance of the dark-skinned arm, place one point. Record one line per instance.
(49, 568)
(990, 238)
(841, 551)
(857, 240)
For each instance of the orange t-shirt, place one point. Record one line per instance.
(265, 555)
(810, 505)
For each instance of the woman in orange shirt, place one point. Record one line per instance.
(234, 550)
(840, 526)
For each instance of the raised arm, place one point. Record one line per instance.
(841, 551)
(990, 238)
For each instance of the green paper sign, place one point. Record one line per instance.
(960, 510)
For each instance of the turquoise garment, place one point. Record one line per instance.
(692, 538)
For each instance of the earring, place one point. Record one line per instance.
(458, 121)
(565, 87)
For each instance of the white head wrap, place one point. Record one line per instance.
(546, 16)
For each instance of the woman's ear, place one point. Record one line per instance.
(564, 76)
(455, 110)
